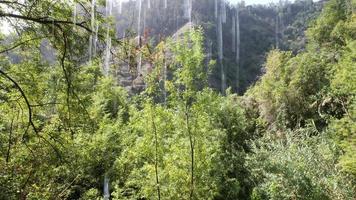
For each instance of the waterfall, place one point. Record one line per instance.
(93, 5)
(96, 38)
(165, 4)
(220, 37)
(139, 2)
(90, 49)
(149, 4)
(107, 54)
(120, 6)
(164, 81)
(210, 50)
(108, 13)
(223, 11)
(279, 23)
(188, 9)
(223, 78)
(139, 64)
(144, 21)
(74, 13)
(233, 33)
(108, 8)
(277, 31)
(92, 14)
(176, 17)
(237, 21)
(209, 54)
(106, 188)
(220, 49)
(185, 8)
(216, 8)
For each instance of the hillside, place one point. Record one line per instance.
(87, 115)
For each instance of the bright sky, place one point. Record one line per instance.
(249, 2)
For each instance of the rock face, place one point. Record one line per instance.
(132, 81)
(184, 29)
(124, 77)
(131, 71)
(131, 74)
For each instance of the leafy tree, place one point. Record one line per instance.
(298, 167)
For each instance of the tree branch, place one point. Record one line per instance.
(45, 20)
(30, 119)
(19, 44)
(18, 87)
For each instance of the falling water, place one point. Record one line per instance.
(210, 50)
(120, 6)
(144, 20)
(74, 20)
(149, 4)
(106, 188)
(237, 20)
(185, 8)
(139, 20)
(164, 81)
(165, 4)
(107, 54)
(92, 28)
(176, 17)
(223, 11)
(74, 13)
(233, 32)
(92, 15)
(209, 55)
(108, 10)
(139, 64)
(188, 9)
(281, 24)
(277, 31)
(220, 50)
(109, 5)
(220, 37)
(223, 79)
(90, 47)
(216, 8)
(96, 38)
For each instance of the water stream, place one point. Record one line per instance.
(238, 42)
(106, 188)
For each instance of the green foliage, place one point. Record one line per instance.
(329, 24)
(298, 166)
(162, 141)
(343, 87)
(64, 127)
(307, 104)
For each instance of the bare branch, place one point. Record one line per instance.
(45, 20)
(18, 87)
(19, 44)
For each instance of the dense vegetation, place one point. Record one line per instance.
(66, 127)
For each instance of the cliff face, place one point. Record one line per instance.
(131, 74)
(261, 28)
(131, 79)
